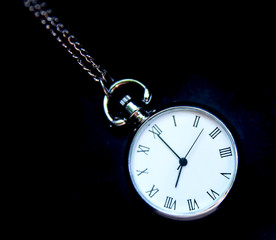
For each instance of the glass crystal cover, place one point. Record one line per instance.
(183, 162)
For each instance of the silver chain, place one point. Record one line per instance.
(68, 41)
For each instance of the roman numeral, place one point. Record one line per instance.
(143, 149)
(225, 152)
(212, 194)
(215, 132)
(170, 203)
(196, 121)
(153, 191)
(155, 130)
(192, 204)
(226, 175)
(143, 171)
(174, 121)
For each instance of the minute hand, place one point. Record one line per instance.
(168, 146)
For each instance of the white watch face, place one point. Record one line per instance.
(183, 162)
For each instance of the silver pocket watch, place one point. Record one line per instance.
(182, 160)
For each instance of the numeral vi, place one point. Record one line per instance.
(212, 194)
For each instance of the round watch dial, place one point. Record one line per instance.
(183, 162)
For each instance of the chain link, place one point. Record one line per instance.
(68, 41)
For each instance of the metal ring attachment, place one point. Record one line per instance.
(119, 121)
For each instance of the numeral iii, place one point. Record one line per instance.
(225, 152)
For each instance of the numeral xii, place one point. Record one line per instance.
(155, 130)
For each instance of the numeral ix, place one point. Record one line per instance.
(153, 191)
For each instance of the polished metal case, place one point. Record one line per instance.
(182, 217)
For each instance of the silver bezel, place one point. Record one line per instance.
(190, 216)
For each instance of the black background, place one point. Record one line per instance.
(74, 177)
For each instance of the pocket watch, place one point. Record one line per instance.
(182, 160)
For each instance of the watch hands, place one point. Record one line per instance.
(191, 148)
(168, 146)
(183, 161)
(178, 176)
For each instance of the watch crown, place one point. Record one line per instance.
(132, 109)
(125, 100)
